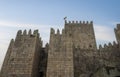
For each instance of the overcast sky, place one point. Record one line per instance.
(43, 14)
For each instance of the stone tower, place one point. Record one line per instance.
(71, 53)
(82, 34)
(60, 54)
(22, 58)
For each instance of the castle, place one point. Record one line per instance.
(72, 53)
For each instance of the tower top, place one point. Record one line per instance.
(78, 22)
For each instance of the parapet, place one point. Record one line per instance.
(52, 31)
(78, 22)
(30, 32)
(11, 43)
(118, 27)
(35, 32)
(24, 33)
(108, 46)
(12, 40)
(19, 32)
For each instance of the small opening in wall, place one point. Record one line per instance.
(12, 59)
(41, 74)
(70, 34)
(90, 46)
(32, 36)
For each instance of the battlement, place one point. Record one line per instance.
(118, 26)
(24, 33)
(108, 46)
(52, 31)
(79, 22)
(69, 53)
(117, 32)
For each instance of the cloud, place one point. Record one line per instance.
(15, 24)
(104, 34)
(115, 22)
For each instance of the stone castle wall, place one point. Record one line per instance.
(73, 53)
(60, 57)
(22, 57)
(60, 54)
(82, 34)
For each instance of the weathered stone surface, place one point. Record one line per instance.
(22, 58)
(70, 54)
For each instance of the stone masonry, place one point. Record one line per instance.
(72, 53)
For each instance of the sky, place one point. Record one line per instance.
(44, 14)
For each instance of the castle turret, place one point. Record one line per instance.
(22, 58)
(30, 32)
(60, 54)
(70, 53)
(82, 34)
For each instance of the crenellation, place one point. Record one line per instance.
(52, 31)
(79, 22)
(83, 22)
(55, 33)
(91, 22)
(22, 53)
(100, 47)
(12, 40)
(11, 43)
(110, 44)
(105, 46)
(76, 22)
(35, 32)
(87, 22)
(25, 32)
(114, 43)
(65, 21)
(69, 22)
(46, 45)
(72, 53)
(73, 22)
(115, 29)
(41, 42)
(30, 32)
(19, 32)
(118, 26)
